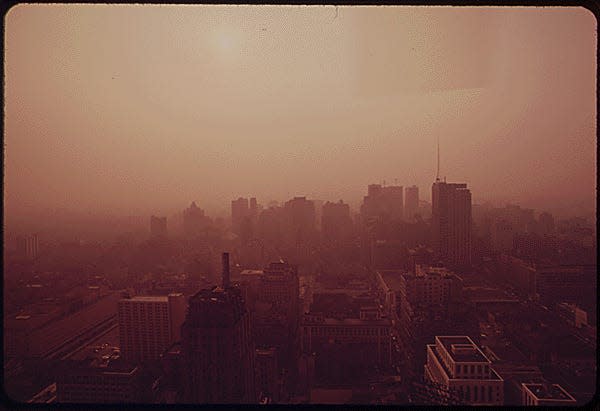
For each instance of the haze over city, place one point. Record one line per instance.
(300, 205)
(131, 109)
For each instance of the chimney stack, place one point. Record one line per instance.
(225, 263)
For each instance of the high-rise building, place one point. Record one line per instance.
(451, 223)
(300, 219)
(411, 202)
(158, 227)
(383, 202)
(428, 303)
(456, 364)
(267, 374)
(336, 224)
(278, 288)
(239, 212)
(148, 325)
(217, 349)
(194, 220)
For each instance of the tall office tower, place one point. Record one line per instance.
(267, 374)
(429, 303)
(451, 223)
(457, 365)
(239, 212)
(383, 202)
(217, 349)
(336, 224)
(275, 290)
(411, 204)
(253, 206)
(148, 325)
(300, 218)
(158, 227)
(194, 220)
(28, 247)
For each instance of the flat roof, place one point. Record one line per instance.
(462, 349)
(548, 391)
(148, 298)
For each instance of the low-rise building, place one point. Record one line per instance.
(458, 365)
(546, 394)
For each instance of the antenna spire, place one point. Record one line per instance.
(437, 174)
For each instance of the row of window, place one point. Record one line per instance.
(321, 331)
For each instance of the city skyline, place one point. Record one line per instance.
(142, 126)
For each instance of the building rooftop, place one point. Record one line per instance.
(148, 298)
(462, 349)
(548, 391)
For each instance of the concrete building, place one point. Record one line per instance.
(217, 349)
(336, 224)
(428, 302)
(546, 395)
(300, 220)
(148, 325)
(272, 297)
(239, 212)
(411, 202)
(194, 220)
(267, 374)
(368, 335)
(101, 380)
(158, 227)
(451, 223)
(458, 365)
(383, 203)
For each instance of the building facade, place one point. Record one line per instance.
(217, 349)
(458, 365)
(451, 223)
(148, 325)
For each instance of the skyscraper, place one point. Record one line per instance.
(239, 212)
(451, 223)
(194, 220)
(149, 324)
(383, 202)
(411, 204)
(217, 349)
(336, 224)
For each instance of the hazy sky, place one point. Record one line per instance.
(146, 108)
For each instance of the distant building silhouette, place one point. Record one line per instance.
(194, 220)
(411, 202)
(336, 224)
(383, 202)
(451, 223)
(158, 227)
(300, 220)
(239, 212)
